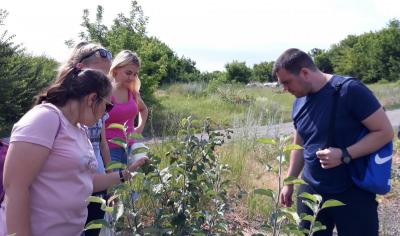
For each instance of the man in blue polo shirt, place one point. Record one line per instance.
(325, 169)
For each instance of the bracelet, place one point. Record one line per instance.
(121, 176)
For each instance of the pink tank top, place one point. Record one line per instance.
(121, 113)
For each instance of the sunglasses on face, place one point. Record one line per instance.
(109, 105)
(102, 52)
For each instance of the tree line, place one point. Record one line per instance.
(371, 57)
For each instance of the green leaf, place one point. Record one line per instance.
(116, 126)
(293, 180)
(318, 197)
(318, 226)
(312, 206)
(139, 150)
(135, 136)
(184, 122)
(97, 224)
(265, 192)
(332, 203)
(308, 218)
(309, 197)
(100, 201)
(96, 200)
(107, 209)
(266, 141)
(115, 165)
(291, 147)
(120, 142)
(291, 215)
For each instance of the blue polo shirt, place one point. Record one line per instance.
(311, 116)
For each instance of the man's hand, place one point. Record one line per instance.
(330, 157)
(286, 195)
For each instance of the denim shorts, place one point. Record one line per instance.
(118, 154)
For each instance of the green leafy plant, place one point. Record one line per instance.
(315, 203)
(122, 202)
(187, 197)
(286, 219)
(190, 193)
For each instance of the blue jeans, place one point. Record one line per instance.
(118, 154)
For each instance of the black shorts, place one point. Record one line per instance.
(359, 217)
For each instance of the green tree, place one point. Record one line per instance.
(370, 57)
(263, 72)
(322, 60)
(160, 64)
(238, 72)
(21, 78)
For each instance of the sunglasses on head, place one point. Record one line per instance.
(102, 52)
(109, 105)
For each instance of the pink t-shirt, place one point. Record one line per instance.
(59, 191)
(121, 113)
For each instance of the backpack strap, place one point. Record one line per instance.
(331, 131)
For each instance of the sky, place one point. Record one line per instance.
(209, 32)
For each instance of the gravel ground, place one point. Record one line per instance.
(389, 215)
(389, 206)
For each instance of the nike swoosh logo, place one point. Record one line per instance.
(379, 160)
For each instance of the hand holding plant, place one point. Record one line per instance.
(137, 163)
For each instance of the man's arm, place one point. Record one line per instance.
(380, 133)
(296, 157)
(295, 167)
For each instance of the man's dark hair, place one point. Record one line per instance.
(293, 60)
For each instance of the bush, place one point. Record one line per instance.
(188, 196)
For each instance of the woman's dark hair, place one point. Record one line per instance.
(74, 85)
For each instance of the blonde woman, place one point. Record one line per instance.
(94, 56)
(128, 104)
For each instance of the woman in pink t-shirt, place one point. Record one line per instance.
(50, 165)
(128, 104)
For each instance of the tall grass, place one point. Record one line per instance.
(227, 103)
(388, 94)
(251, 162)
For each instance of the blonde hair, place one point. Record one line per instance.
(80, 51)
(124, 58)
